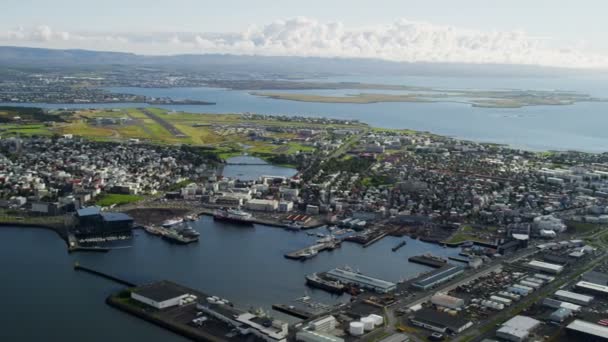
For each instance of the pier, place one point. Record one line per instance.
(78, 267)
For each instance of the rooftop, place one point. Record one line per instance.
(589, 328)
(160, 291)
(437, 275)
(592, 286)
(440, 319)
(111, 217)
(90, 211)
(360, 278)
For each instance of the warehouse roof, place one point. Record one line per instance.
(440, 319)
(589, 328)
(160, 291)
(592, 286)
(360, 278)
(522, 323)
(545, 265)
(574, 295)
(438, 275)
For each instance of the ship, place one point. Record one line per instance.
(233, 215)
(401, 244)
(293, 226)
(315, 280)
(181, 233)
(172, 222)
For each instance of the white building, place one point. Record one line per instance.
(262, 205)
(285, 206)
(517, 329)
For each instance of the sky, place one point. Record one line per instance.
(541, 32)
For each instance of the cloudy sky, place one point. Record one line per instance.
(539, 32)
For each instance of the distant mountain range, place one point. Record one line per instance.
(45, 58)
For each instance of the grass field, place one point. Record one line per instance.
(225, 134)
(107, 200)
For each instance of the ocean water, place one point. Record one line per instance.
(573, 127)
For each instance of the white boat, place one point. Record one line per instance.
(293, 226)
(172, 222)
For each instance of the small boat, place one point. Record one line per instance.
(293, 226)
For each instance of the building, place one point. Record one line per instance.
(545, 267)
(560, 315)
(246, 323)
(437, 277)
(587, 331)
(397, 337)
(92, 222)
(596, 289)
(262, 205)
(323, 324)
(439, 321)
(447, 301)
(285, 206)
(315, 336)
(361, 280)
(573, 297)
(160, 295)
(557, 304)
(517, 329)
(312, 209)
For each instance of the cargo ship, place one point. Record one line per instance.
(233, 215)
(315, 280)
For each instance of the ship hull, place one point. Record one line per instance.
(232, 220)
(324, 286)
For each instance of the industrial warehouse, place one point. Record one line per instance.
(437, 277)
(363, 281)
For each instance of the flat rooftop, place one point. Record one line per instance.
(160, 291)
(440, 319)
(589, 328)
(438, 275)
(591, 286)
(360, 278)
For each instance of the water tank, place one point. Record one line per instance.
(368, 323)
(356, 328)
(378, 320)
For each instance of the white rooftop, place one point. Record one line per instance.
(589, 328)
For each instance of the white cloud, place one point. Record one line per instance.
(403, 40)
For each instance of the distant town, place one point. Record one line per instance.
(529, 225)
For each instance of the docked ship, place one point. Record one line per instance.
(233, 215)
(315, 280)
(293, 226)
(172, 222)
(181, 233)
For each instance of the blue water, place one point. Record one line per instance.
(575, 127)
(45, 299)
(254, 171)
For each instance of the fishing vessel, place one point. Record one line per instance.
(315, 280)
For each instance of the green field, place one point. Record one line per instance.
(107, 200)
